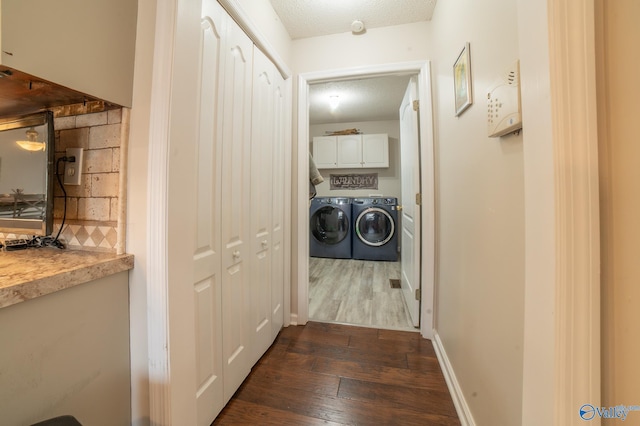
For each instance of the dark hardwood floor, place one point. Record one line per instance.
(335, 374)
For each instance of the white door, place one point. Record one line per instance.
(235, 234)
(206, 254)
(410, 222)
(261, 202)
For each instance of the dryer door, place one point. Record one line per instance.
(375, 227)
(330, 225)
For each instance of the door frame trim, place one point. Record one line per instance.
(427, 182)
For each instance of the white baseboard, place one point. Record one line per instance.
(294, 319)
(462, 408)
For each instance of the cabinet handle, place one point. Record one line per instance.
(236, 254)
(264, 243)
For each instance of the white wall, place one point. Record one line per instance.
(67, 353)
(400, 43)
(388, 178)
(261, 13)
(480, 214)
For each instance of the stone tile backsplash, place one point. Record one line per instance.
(92, 206)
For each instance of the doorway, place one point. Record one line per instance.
(425, 257)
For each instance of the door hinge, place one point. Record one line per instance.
(416, 105)
(418, 294)
(419, 199)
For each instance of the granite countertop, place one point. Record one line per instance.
(27, 274)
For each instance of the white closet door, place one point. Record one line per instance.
(235, 233)
(278, 196)
(261, 202)
(206, 254)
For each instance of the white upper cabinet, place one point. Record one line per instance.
(375, 150)
(351, 151)
(325, 152)
(87, 46)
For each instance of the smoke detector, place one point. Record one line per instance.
(357, 26)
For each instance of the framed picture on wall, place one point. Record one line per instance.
(462, 80)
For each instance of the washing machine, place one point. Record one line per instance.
(330, 227)
(375, 230)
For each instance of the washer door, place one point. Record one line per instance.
(375, 227)
(330, 225)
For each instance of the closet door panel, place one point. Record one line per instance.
(261, 202)
(235, 233)
(206, 253)
(277, 219)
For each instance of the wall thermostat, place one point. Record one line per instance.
(504, 113)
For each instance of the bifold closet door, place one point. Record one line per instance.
(235, 119)
(278, 196)
(206, 255)
(261, 202)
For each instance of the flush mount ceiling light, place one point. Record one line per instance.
(334, 101)
(32, 143)
(357, 27)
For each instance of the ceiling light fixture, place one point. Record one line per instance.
(334, 101)
(32, 143)
(357, 27)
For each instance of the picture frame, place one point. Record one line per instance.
(462, 80)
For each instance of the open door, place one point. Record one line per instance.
(410, 213)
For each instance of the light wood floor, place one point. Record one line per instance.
(343, 375)
(350, 291)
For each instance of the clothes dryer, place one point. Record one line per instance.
(375, 230)
(330, 227)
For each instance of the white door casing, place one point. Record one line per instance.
(427, 262)
(410, 213)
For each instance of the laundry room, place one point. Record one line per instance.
(355, 208)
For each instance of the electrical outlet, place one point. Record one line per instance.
(73, 171)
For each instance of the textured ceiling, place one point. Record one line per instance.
(367, 99)
(311, 18)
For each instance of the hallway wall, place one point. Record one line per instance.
(480, 214)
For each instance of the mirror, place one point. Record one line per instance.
(26, 174)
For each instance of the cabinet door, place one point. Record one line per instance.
(375, 150)
(325, 152)
(262, 141)
(88, 46)
(206, 214)
(350, 151)
(235, 234)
